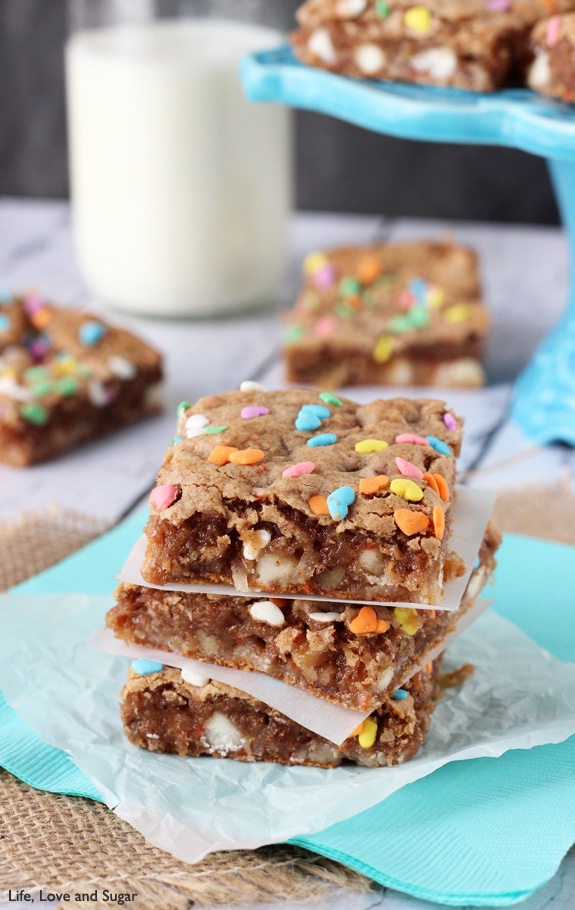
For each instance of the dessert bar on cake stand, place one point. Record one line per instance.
(544, 397)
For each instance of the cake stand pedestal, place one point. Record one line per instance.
(544, 395)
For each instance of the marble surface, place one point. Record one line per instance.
(524, 273)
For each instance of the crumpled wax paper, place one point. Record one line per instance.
(471, 511)
(519, 697)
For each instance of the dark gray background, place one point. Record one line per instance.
(339, 167)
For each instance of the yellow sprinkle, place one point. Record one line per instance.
(383, 349)
(408, 619)
(406, 488)
(367, 736)
(457, 313)
(313, 262)
(435, 296)
(418, 18)
(366, 446)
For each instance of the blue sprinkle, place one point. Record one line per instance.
(338, 501)
(307, 421)
(324, 439)
(6, 296)
(91, 333)
(400, 694)
(4, 323)
(318, 409)
(439, 445)
(144, 667)
(418, 287)
(177, 439)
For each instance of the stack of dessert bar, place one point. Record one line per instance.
(388, 313)
(471, 44)
(333, 520)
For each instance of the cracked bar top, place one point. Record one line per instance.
(388, 313)
(298, 492)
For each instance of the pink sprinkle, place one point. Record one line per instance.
(163, 496)
(324, 277)
(450, 421)
(254, 411)
(33, 303)
(552, 31)
(408, 469)
(325, 326)
(406, 300)
(412, 438)
(296, 470)
(498, 6)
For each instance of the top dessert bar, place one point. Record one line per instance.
(388, 313)
(67, 376)
(294, 492)
(470, 45)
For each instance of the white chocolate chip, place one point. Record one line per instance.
(248, 385)
(540, 71)
(320, 44)
(12, 390)
(384, 680)
(152, 736)
(221, 732)
(371, 561)
(153, 395)
(463, 372)
(327, 617)
(400, 372)
(254, 542)
(349, 9)
(195, 425)
(369, 58)
(195, 679)
(266, 611)
(97, 393)
(271, 568)
(438, 62)
(121, 367)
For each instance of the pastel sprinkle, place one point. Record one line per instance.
(247, 456)
(177, 439)
(67, 386)
(293, 334)
(439, 445)
(369, 268)
(213, 431)
(383, 349)
(318, 409)
(399, 695)
(366, 622)
(297, 470)
(412, 439)
(418, 18)
(367, 446)
(329, 398)
(368, 734)
(382, 8)
(324, 277)
(438, 522)
(163, 496)
(449, 421)
(220, 455)
(370, 485)
(313, 262)
(349, 286)
(318, 504)
(339, 501)
(552, 31)
(91, 333)
(408, 469)
(324, 439)
(410, 522)
(457, 313)
(407, 489)
(35, 413)
(325, 326)
(4, 323)
(251, 411)
(408, 618)
(183, 406)
(145, 667)
(6, 296)
(305, 421)
(498, 6)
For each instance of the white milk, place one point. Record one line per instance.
(181, 188)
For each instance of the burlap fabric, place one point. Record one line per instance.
(73, 845)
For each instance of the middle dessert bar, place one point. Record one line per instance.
(294, 492)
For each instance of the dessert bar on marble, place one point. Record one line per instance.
(388, 314)
(67, 376)
(439, 43)
(169, 711)
(292, 492)
(351, 655)
(552, 45)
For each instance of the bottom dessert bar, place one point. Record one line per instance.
(552, 69)
(333, 650)
(162, 712)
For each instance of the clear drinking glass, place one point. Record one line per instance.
(181, 188)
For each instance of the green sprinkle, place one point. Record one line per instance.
(43, 388)
(35, 413)
(349, 286)
(293, 334)
(400, 324)
(183, 406)
(329, 398)
(419, 317)
(344, 310)
(36, 374)
(67, 386)
(382, 9)
(213, 431)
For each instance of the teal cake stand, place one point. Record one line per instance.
(544, 396)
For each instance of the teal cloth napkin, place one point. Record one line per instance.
(486, 832)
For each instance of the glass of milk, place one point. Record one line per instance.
(181, 188)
